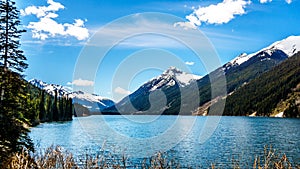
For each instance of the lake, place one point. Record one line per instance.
(192, 140)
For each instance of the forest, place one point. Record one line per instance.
(262, 94)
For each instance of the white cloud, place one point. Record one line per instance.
(185, 25)
(77, 30)
(264, 1)
(217, 14)
(81, 82)
(41, 11)
(190, 63)
(120, 90)
(48, 27)
(288, 1)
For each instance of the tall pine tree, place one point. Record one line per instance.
(42, 109)
(13, 131)
(54, 108)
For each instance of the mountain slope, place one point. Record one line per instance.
(170, 77)
(238, 72)
(268, 92)
(50, 88)
(170, 82)
(37, 105)
(290, 46)
(92, 102)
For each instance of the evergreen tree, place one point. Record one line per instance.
(42, 110)
(61, 108)
(54, 108)
(70, 108)
(48, 110)
(13, 132)
(11, 55)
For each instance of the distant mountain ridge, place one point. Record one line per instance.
(93, 102)
(289, 46)
(50, 88)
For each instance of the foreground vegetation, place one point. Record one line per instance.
(56, 157)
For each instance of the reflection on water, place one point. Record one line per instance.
(235, 137)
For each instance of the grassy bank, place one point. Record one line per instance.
(56, 157)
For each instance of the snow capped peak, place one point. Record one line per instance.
(51, 88)
(62, 90)
(290, 46)
(170, 77)
(37, 83)
(86, 96)
(172, 71)
(93, 102)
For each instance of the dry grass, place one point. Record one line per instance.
(56, 157)
(159, 161)
(52, 157)
(272, 159)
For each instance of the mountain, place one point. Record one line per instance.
(238, 72)
(276, 92)
(170, 82)
(92, 102)
(170, 77)
(50, 88)
(245, 68)
(289, 46)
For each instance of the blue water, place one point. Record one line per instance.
(241, 138)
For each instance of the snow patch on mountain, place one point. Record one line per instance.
(185, 78)
(51, 88)
(290, 46)
(241, 59)
(86, 96)
(92, 101)
(170, 77)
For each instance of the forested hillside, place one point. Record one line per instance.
(47, 108)
(39, 105)
(265, 93)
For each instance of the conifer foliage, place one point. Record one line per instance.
(11, 55)
(13, 131)
(263, 94)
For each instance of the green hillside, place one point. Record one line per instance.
(39, 106)
(274, 91)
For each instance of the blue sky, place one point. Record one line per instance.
(58, 31)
